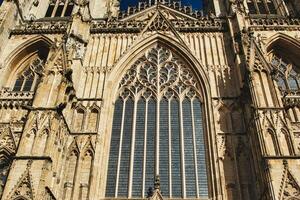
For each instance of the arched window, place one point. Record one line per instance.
(262, 7)
(288, 79)
(27, 80)
(158, 129)
(58, 8)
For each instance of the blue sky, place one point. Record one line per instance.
(197, 4)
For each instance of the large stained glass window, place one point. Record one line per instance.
(158, 130)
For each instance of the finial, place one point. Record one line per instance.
(157, 182)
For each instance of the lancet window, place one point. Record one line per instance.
(60, 8)
(158, 130)
(27, 80)
(261, 7)
(288, 79)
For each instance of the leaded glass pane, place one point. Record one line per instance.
(18, 84)
(190, 176)
(69, 10)
(251, 7)
(28, 83)
(114, 150)
(150, 157)
(272, 8)
(262, 8)
(176, 161)
(59, 10)
(50, 10)
(137, 184)
(125, 150)
(200, 146)
(164, 147)
(292, 83)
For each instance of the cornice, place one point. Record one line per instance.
(274, 23)
(205, 24)
(42, 27)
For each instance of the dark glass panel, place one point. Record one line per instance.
(126, 149)
(28, 83)
(151, 132)
(176, 162)
(200, 148)
(190, 179)
(272, 8)
(164, 148)
(262, 8)
(59, 10)
(252, 9)
(49, 10)
(114, 149)
(292, 83)
(69, 10)
(137, 183)
(18, 84)
(281, 83)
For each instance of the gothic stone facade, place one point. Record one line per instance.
(61, 74)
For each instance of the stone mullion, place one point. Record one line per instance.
(182, 149)
(120, 149)
(132, 148)
(195, 150)
(65, 8)
(55, 8)
(170, 147)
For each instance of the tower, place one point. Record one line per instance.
(156, 100)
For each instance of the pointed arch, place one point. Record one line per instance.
(271, 142)
(20, 70)
(281, 41)
(126, 108)
(93, 118)
(79, 118)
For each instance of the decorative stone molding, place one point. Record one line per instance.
(268, 24)
(42, 27)
(204, 24)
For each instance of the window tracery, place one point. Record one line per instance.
(288, 77)
(261, 7)
(158, 128)
(60, 8)
(27, 80)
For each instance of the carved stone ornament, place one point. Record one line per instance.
(24, 187)
(75, 48)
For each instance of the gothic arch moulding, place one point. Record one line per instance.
(39, 45)
(284, 45)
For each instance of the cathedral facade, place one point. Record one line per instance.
(158, 101)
